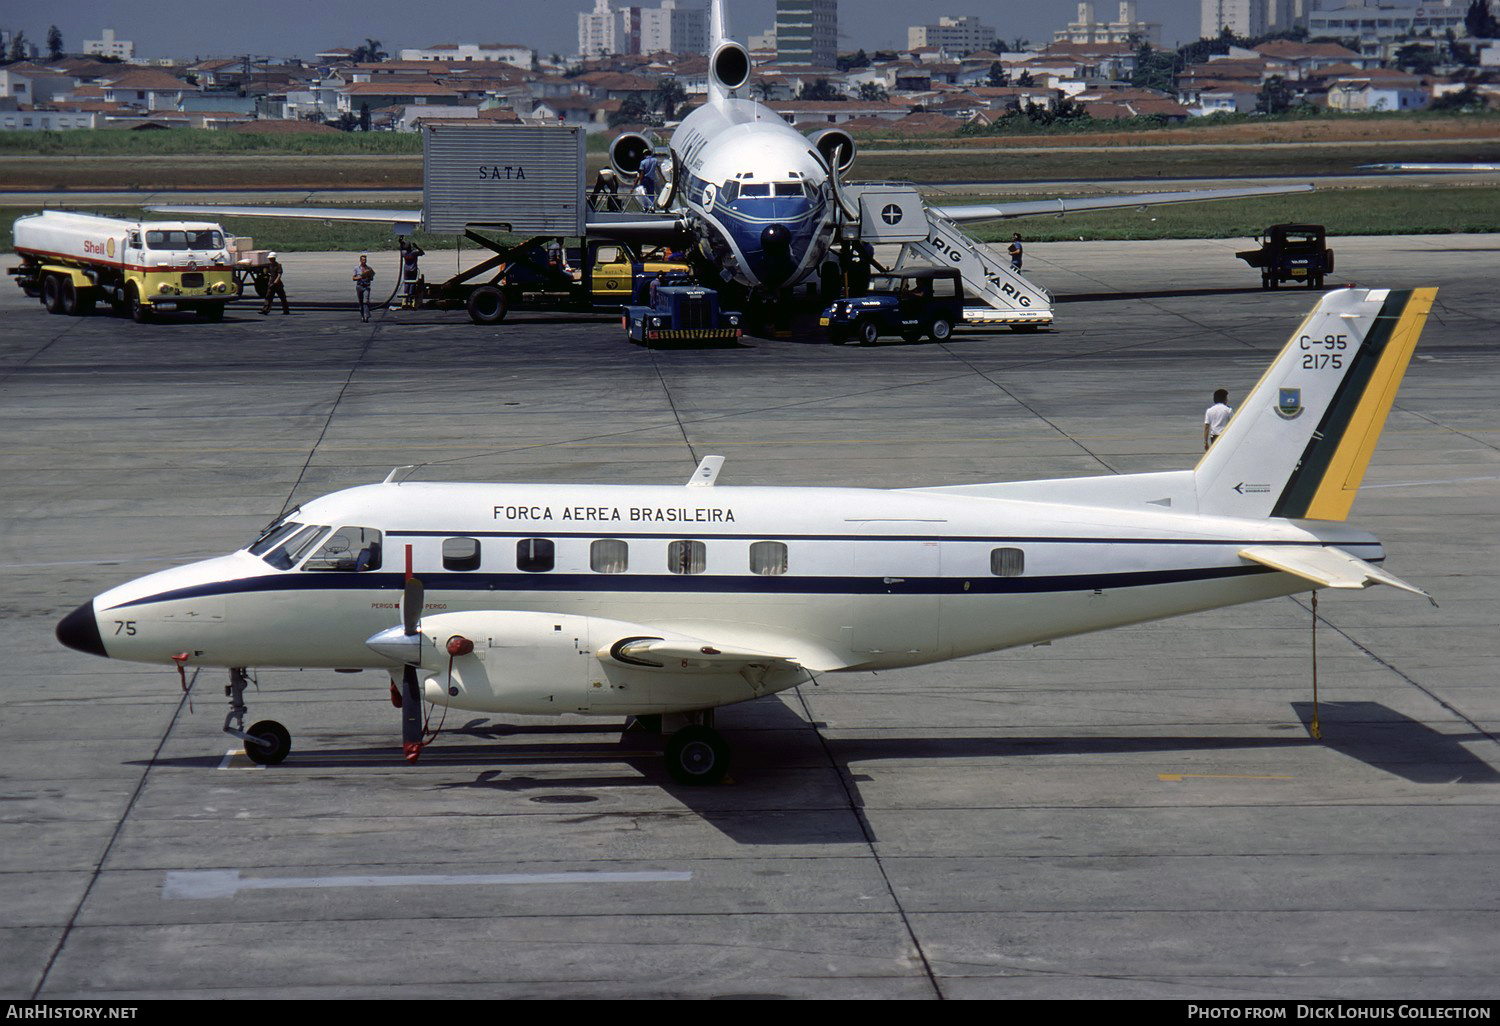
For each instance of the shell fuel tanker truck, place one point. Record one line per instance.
(73, 261)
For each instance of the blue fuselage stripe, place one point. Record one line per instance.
(480, 583)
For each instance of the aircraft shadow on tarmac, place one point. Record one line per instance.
(779, 752)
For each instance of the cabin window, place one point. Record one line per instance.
(349, 549)
(535, 555)
(1007, 562)
(461, 554)
(768, 558)
(687, 557)
(609, 556)
(286, 555)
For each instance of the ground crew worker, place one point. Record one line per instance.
(1015, 252)
(648, 171)
(274, 286)
(410, 272)
(1216, 418)
(606, 194)
(364, 276)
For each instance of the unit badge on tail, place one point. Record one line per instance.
(1289, 404)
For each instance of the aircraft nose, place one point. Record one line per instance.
(80, 630)
(776, 255)
(775, 237)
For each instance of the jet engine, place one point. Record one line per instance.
(627, 152)
(831, 139)
(730, 66)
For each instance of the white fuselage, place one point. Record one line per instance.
(741, 170)
(833, 578)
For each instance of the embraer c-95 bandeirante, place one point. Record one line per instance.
(670, 601)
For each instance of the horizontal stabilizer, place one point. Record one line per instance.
(1327, 567)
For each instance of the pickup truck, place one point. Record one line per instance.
(910, 302)
(1291, 252)
(677, 312)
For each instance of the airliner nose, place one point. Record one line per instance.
(776, 254)
(80, 630)
(775, 237)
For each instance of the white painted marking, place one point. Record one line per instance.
(226, 883)
(236, 758)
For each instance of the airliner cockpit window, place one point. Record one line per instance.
(277, 533)
(788, 188)
(349, 549)
(286, 555)
(729, 191)
(755, 190)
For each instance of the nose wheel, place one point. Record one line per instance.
(267, 743)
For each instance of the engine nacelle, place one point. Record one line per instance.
(729, 67)
(627, 152)
(831, 139)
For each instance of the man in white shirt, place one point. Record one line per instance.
(1216, 418)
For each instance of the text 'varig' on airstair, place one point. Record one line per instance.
(892, 213)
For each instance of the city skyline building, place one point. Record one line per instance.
(807, 32)
(960, 35)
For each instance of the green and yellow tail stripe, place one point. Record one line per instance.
(1334, 463)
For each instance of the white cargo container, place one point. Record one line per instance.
(73, 261)
(526, 179)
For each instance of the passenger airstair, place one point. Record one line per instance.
(895, 213)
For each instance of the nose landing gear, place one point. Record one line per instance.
(266, 742)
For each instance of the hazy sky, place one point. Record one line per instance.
(179, 28)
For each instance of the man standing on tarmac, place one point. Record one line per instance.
(364, 276)
(1015, 251)
(410, 272)
(274, 287)
(1216, 418)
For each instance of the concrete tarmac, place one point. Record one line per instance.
(1135, 814)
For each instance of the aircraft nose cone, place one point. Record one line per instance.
(775, 238)
(80, 630)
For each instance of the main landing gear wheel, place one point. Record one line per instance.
(697, 756)
(277, 743)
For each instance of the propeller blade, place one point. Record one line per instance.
(411, 605)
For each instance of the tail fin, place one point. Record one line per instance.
(718, 25)
(1299, 444)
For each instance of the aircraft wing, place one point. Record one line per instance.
(1329, 567)
(622, 227)
(1031, 208)
(412, 217)
(1454, 168)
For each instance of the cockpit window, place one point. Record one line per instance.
(730, 191)
(275, 534)
(285, 555)
(200, 238)
(788, 188)
(751, 189)
(349, 549)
